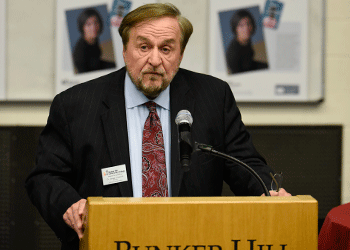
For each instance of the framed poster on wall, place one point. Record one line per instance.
(2, 49)
(88, 44)
(262, 48)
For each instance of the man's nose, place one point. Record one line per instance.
(154, 58)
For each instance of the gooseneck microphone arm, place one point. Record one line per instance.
(208, 149)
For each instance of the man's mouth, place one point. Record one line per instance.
(153, 73)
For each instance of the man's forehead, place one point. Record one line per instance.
(145, 39)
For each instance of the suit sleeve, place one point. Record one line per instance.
(238, 143)
(50, 184)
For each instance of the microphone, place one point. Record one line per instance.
(184, 121)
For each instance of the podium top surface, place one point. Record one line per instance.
(202, 200)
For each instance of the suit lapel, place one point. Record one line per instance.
(115, 128)
(180, 98)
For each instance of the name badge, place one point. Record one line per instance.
(113, 175)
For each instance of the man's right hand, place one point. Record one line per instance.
(73, 217)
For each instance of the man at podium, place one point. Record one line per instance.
(115, 136)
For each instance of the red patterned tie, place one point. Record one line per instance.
(154, 178)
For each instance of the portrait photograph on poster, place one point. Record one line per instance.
(262, 49)
(89, 44)
(243, 40)
(90, 39)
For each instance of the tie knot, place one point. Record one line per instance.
(151, 106)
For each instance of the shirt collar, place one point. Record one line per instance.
(134, 98)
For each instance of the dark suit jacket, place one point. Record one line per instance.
(86, 131)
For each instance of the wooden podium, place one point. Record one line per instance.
(201, 223)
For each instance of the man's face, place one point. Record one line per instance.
(153, 55)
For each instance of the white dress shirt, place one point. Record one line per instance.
(136, 115)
